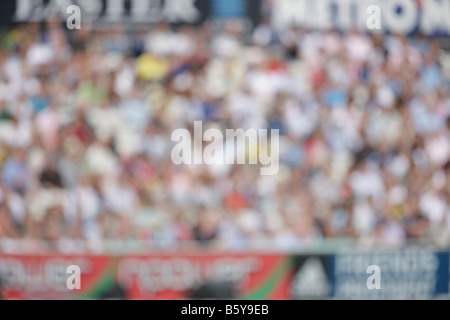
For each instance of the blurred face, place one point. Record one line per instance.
(20, 155)
(209, 221)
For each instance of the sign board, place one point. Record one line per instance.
(430, 17)
(131, 11)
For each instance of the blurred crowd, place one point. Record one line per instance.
(86, 118)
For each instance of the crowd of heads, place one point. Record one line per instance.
(86, 118)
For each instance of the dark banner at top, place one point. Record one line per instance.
(131, 11)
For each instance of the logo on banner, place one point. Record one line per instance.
(311, 280)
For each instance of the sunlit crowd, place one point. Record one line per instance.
(86, 118)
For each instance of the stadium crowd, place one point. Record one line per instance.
(86, 118)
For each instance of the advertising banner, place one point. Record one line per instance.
(430, 17)
(131, 11)
(144, 277)
(405, 274)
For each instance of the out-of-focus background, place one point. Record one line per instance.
(86, 117)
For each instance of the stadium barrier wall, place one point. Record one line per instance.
(409, 274)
